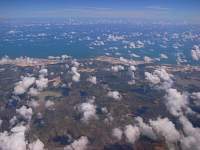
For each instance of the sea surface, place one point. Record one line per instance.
(89, 40)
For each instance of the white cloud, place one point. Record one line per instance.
(15, 140)
(132, 133)
(22, 86)
(160, 76)
(75, 75)
(163, 56)
(117, 68)
(166, 129)
(176, 101)
(13, 121)
(41, 83)
(195, 52)
(89, 111)
(191, 139)
(49, 104)
(43, 72)
(36, 145)
(123, 59)
(139, 44)
(80, 144)
(75, 63)
(161, 72)
(132, 74)
(25, 112)
(74, 69)
(92, 79)
(145, 129)
(64, 57)
(114, 94)
(147, 59)
(97, 43)
(109, 118)
(134, 55)
(131, 45)
(115, 37)
(117, 133)
(33, 103)
(152, 78)
(132, 68)
(33, 91)
(12, 32)
(196, 96)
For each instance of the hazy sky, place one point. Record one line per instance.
(178, 10)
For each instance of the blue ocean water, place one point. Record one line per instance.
(90, 40)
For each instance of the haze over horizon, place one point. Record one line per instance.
(153, 10)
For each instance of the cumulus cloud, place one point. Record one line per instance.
(162, 73)
(49, 104)
(22, 86)
(147, 59)
(26, 82)
(131, 70)
(97, 43)
(43, 72)
(15, 140)
(80, 144)
(166, 129)
(75, 75)
(145, 129)
(177, 104)
(139, 44)
(163, 56)
(75, 63)
(154, 79)
(33, 91)
(134, 55)
(196, 96)
(13, 121)
(160, 76)
(114, 94)
(89, 111)
(109, 118)
(133, 45)
(117, 68)
(92, 79)
(191, 139)
(176, 101)
(132, 133)
(123, 59)
(115, 38)
(25, 112)
(42, 83)
(36, 145)
(33, 103)
(64, 57)
(117, 133)
(195, 52)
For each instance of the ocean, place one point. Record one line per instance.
(90, 40)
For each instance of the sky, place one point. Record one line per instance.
(178, 10)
